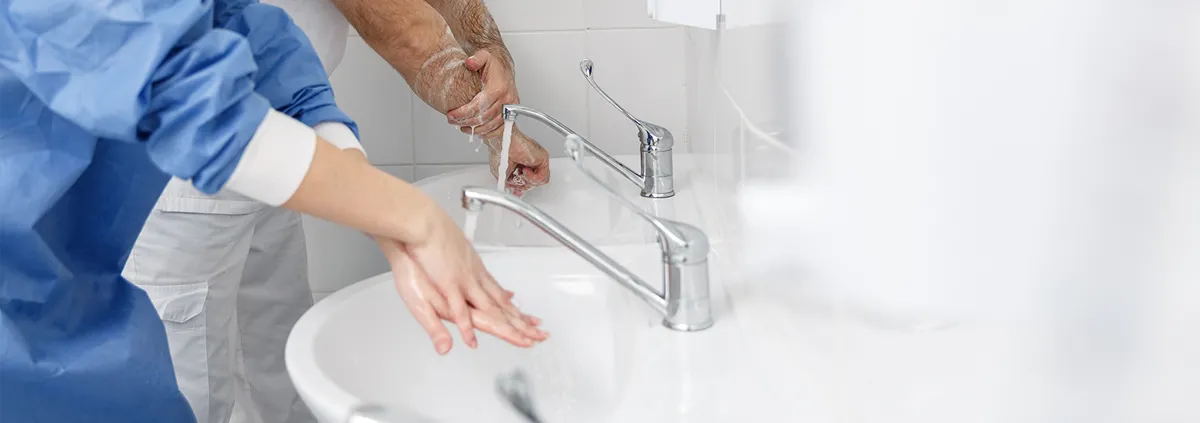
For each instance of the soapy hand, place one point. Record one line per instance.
(477, 303)
(528, 163)
(482, 114)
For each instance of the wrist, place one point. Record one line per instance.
(423, 223)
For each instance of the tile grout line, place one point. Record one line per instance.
(412, 128)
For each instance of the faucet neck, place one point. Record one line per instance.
(684, 302)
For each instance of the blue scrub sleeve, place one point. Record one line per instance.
(290, 74)
(152, 71)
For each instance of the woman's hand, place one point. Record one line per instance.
(463, 292)
(341, 186)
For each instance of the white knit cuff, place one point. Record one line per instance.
(339, 135)
(275, 161)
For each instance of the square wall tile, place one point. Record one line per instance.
(339, 256)
(439, 142)
(426, 171)
(608, 14)
(654, 93)
(536, 15)
(402, 172)
(548, 79)
(375, 96)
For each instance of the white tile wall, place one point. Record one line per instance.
(438, 142)
(547, 38)
(618, 14)
(537, 15)
(549, 80)
(376, 97)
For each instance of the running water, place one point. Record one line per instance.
(502, 166)
(469, 225)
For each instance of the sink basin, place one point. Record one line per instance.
(360, 347)
(571, 198)
(609, 358)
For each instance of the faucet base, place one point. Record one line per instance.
(688, 327)
(658, 195)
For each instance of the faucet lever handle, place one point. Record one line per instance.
(651, 133)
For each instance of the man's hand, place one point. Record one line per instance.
(499, 88)
(528, 163)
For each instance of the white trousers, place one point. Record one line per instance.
(229, 277)
(229, 288)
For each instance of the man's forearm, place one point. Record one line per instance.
(415, 39)
(473, 27)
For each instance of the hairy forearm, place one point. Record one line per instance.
(473, 27)
(414, 38)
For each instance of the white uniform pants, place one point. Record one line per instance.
(229, 288)
(229, 277)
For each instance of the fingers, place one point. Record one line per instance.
(480, 299)
(497, 325)
(487, 125)
(476, 62)
(516, 183)
(515, 317)
(430, 320)
(469, 114)
(461, 316)
(414, 288)
(492, 120)
(536, 175)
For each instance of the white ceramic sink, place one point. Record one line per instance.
(571, 198)
(360, 346)
(609, 359)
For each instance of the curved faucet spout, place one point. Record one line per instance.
(511, 111)
(684, 302)
(474, 199)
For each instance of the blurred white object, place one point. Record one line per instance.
(1026, 171)
(695, 13)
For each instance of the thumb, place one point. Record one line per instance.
(476, 62)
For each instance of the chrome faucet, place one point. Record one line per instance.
(656, 179)
(684, 303)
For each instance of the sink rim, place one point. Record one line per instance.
(301, 348)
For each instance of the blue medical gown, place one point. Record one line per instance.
(99, 102)
(290, 75)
